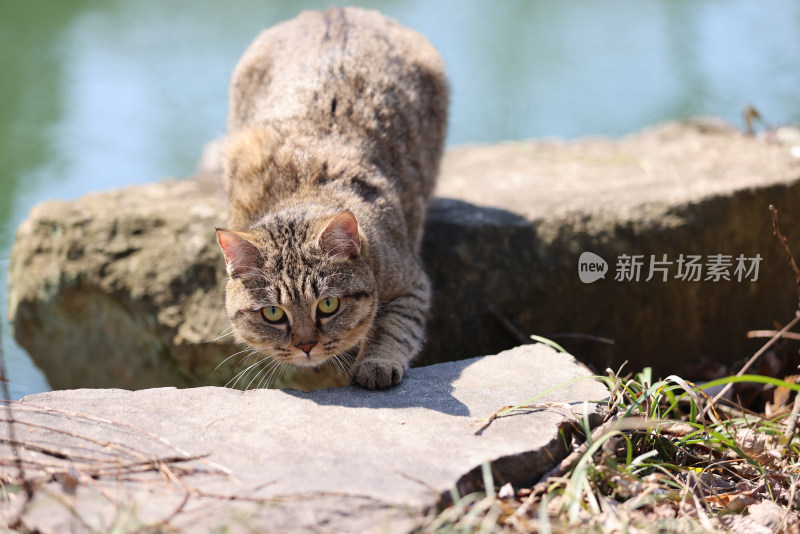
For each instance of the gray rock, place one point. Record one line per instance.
(124, 288)
(345, 459)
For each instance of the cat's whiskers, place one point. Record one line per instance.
(265, 373)
(232, 382)
(227, 332)
(258, 372)
(343, 359)
(228, 358)
(341, 364)
(270, 365)
(276, 374)
(243, 372)
(333, 361)
(245, 360)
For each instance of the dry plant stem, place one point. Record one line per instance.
(732, 411)
(129, 451)
(792, 493)
(751, 361)
(180, 483)
(99, 420)
(791, 421)
(776, 230)
(510, 327)
(769, 333)
(121, 426)
(613, 395)
(587, 337)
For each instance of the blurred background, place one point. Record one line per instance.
(101, 94)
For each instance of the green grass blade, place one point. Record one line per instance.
(758, 379)
(549, 343)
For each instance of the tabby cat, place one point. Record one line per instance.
(336, 126)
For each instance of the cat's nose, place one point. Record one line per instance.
(306, 346)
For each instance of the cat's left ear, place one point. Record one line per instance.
(241, 256)
(340, 237)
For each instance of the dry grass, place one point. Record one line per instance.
(668, 458)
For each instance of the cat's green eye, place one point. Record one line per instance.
(273, 314)
(328, 306)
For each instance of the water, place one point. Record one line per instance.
(101, 94)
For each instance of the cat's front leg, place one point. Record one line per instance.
(396, 338)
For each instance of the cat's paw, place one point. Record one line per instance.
(378, 373)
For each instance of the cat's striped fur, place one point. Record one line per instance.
(336, 127)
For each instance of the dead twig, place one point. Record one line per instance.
(790, 503)
(516, 410)
(751, 361)
(587, 337)
(776, 231)
(180, 483)
(103, 445)
(491, 418)
(523, 339)
(791, 421)
(769, 333)
(510, 327)
(94, 420)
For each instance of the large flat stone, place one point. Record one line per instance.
(346, 458)
(124, 288)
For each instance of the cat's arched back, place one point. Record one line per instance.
(333, 112)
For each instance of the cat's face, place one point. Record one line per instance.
(300, 291)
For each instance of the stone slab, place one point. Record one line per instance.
(638, 176)
(346, 458)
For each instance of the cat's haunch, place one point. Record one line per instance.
(336, 127)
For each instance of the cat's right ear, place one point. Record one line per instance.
(340, 237)
(241, 256)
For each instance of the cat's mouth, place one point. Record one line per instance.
(318, 356)
(313, 358)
